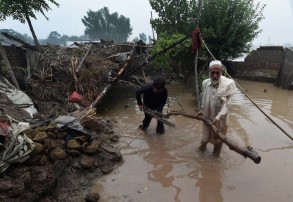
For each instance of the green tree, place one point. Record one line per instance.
(54, 38)
(24, 10)
(63, 39)
(179, 52)
(150, 39)
(103, 25)
(175, 16)
(234, 25)
(143, 37)
(228, 26)
(136, 39)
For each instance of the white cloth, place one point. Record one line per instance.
(17, 97)
(215, 103)
(18, 146)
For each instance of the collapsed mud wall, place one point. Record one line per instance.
(262, 64)
(16, 56)
(17, 59)
(285, 76)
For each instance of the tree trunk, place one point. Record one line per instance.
(34, 34)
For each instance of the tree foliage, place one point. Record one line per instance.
(58, 39)
(175, 16)
(150, 39)
(103, 25)
(143, 37)
(179, 52)
(54, 37)
(234, 25)
(228, 26)
(23, 10)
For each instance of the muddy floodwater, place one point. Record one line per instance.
(169, 167)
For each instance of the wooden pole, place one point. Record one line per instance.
(10, 71)
(87, 111)
(196, 59)
(196, 80)
(152, 26)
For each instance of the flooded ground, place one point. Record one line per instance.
(170, 168)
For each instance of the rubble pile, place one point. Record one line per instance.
(64, 162)
(62, 70)
(58, 153)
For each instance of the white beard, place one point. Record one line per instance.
(215, 82)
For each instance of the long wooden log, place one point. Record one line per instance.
(158, 116)
(86, 112)
(154, 56)
(26, 45)
(246, 152)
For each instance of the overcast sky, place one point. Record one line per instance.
(277, 27)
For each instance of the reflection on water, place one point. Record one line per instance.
(210, 182)
(276, 103)
(162, 162)
(170, 168)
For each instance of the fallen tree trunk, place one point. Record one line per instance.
(246, 152)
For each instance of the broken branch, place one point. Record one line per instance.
(81, 62)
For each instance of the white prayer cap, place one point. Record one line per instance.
(215, 62)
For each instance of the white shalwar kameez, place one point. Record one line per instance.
(215, 102)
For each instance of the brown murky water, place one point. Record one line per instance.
(170, 168)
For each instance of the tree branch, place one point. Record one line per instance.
(246, 152)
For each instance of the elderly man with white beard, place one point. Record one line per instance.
(216, 95)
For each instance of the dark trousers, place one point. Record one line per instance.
(147, 120)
